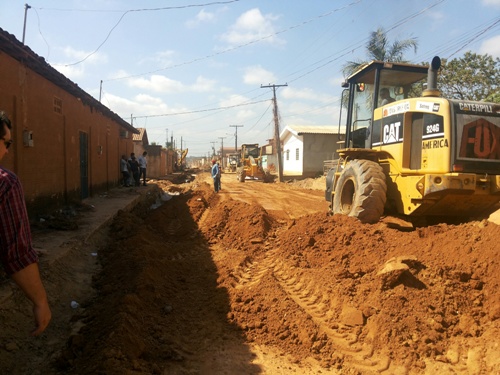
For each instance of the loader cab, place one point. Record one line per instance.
(378, 84)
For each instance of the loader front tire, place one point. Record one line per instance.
(361, 191)
(241, 175)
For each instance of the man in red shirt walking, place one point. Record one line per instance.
(17, 254)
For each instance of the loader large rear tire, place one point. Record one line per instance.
(361, 191)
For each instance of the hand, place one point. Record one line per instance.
(42, 315)
(30, 283)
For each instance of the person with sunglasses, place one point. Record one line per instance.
(17, 254)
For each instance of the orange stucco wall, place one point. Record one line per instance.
(50, 167)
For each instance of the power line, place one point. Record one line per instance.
(475, 37)
(242, 45)
(202, 110)
(360, 44)
(142, 10)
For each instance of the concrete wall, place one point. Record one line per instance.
(317, 149)
(156, 161)
(313, 150)
(293, 166)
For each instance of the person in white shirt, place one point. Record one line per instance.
(386, 96)
(143, 164)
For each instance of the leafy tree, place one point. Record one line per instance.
(379, 48)
(471, 77)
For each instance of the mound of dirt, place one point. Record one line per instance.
(205, 274)
(385, 299)
(259, 279)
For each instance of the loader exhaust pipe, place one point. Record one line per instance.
(431, 89)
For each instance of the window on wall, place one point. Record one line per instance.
(296, 154)
(287, 154)
(57, 105)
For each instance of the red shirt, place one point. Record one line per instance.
(16, 248)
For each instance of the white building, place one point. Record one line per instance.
(305, 148)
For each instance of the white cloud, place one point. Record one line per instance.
(162, 84)
(305, 94)
(251, 26)
(491, 46)
(157, 83)
(118, 74)
(89, 57)
(201, 17)
(152, 101)
(233, 100)
(491, 2)
(203, 85)
(436, 15)
(119, 104)
(72, 72)
(257, 75)
(242, 114)
(74, 67)
(162, 58)
(300, 113)
(336, 81)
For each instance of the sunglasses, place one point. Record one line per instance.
(7, 143)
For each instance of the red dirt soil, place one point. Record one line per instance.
(259, 279)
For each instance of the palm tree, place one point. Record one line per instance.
(379, 48)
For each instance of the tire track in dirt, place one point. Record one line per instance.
(309, 297)
(306, 294)
(280, 298)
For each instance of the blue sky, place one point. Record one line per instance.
(194, 68)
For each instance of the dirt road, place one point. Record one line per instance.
(258, 279)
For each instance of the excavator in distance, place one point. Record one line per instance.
(181, 157)
(411, 152)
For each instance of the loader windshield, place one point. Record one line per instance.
(252, 150)
(375, 85)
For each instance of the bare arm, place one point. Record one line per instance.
(28, 279)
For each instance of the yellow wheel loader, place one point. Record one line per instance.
(232, 163)
(251, 164)
(409, 151)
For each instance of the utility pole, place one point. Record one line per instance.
(166, 142)
(26, 7)
(222, 151)
(100, 91)
(213, 148)
(236, 136)
(277, 140)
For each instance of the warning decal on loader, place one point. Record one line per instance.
(480, 140)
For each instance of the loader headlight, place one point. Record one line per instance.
(438, 180)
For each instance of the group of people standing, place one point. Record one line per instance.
(134, 169)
